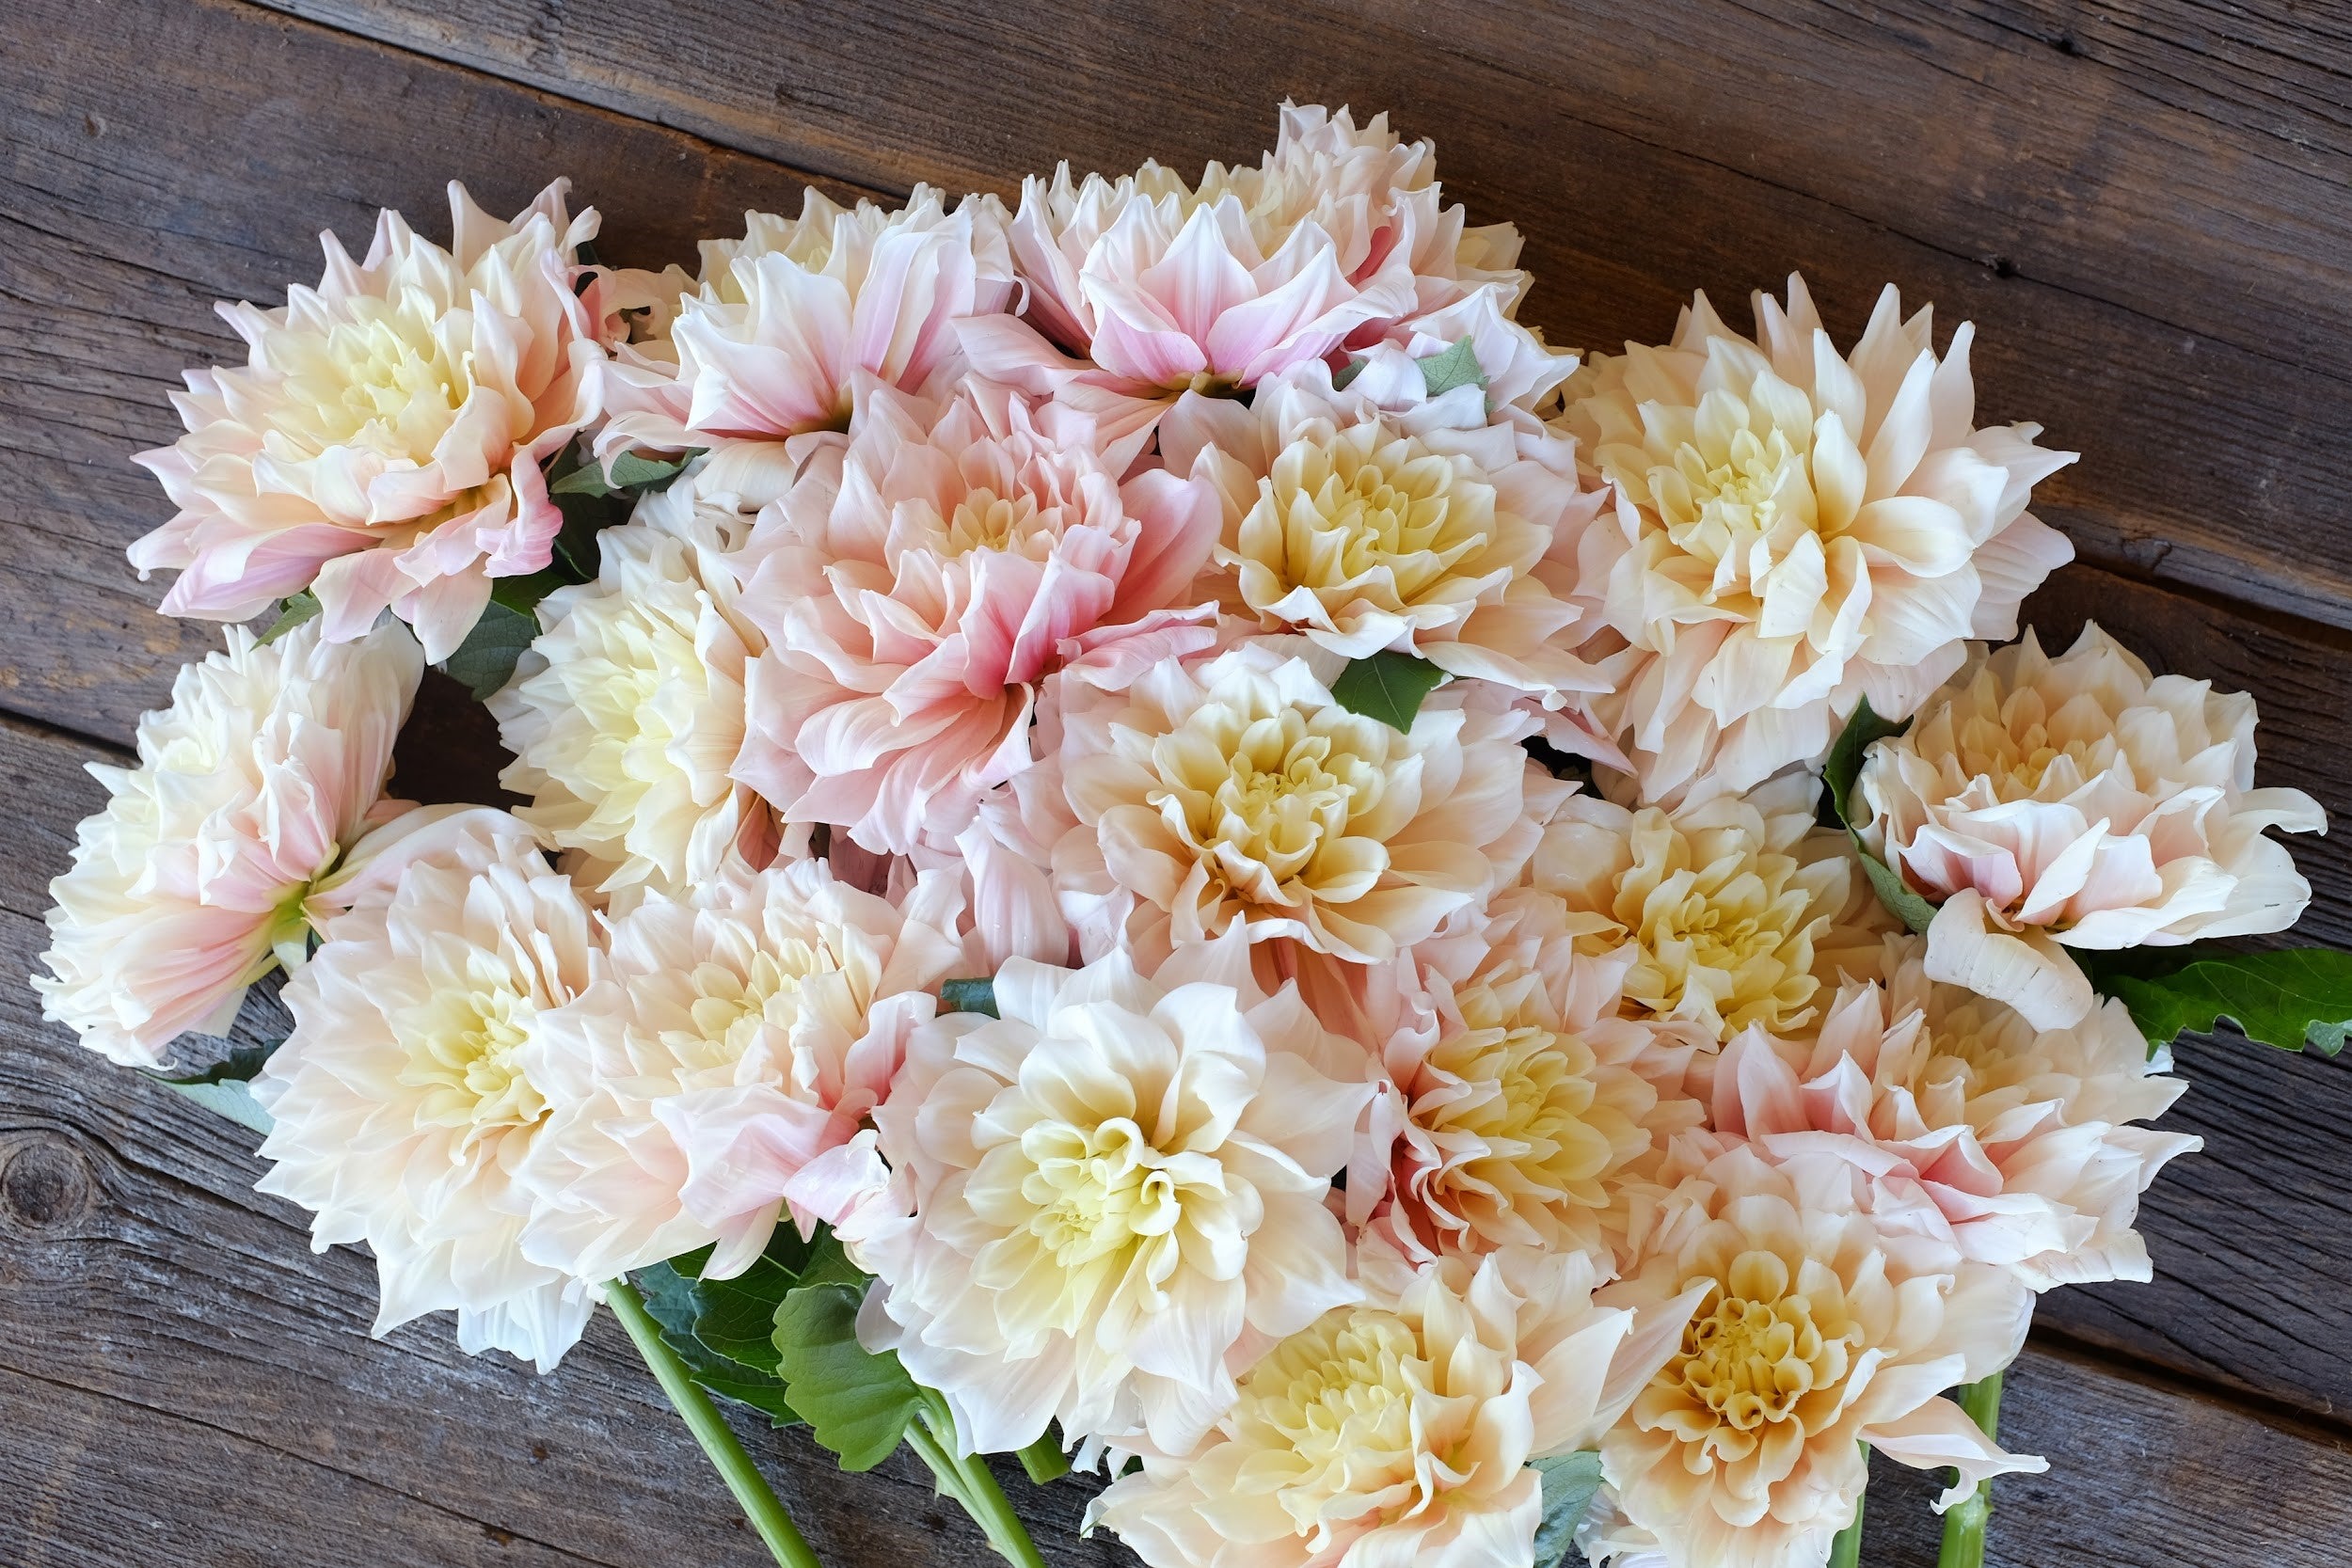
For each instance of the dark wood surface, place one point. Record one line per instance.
(2143, 205)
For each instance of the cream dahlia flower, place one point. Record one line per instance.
(1818, 1330)
(1523, 1100)
(1377, 516)
(625, 716)
(252, 786)
(732, 1038)
(2023, 1137)
(1398, 1432)
(788, 322)
(1097, 1199)
(1340, 238)
(1738, 911)
(2077, 801)
(1238, 793)
(408, 1096)
(916, 587)
(381, 446)
(1795, 531)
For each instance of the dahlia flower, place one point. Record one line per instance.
(1524, 1104)
(2022, 1136)
(1238, 793)
(1097, 1199)
(1795, 531)
(1340, 238)
(2077, 801)
(1398, 1431)
(788, 322)
(732, 1036)
(381, 446)
(1380, 518)
(915, 587)
(409, 1091)
(1737, 910)
(1819, 1328)
(190, 885)
(625, 715)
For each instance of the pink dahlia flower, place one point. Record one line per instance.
(381, 446)
(785, 322)
(1340, 237)
(916, 585)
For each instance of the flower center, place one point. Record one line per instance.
(984, 520)
(1263, 800)
(464, 1051)
(1763, 1355)
(732, 1006)
(1523, 1092)
(383, 379)
(1096, 1190)
(1734, 933)
(1331, 1408)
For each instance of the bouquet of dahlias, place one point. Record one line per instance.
(1154, 836)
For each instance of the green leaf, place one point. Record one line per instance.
(1844, 762)
(1839, 773)
(225, 1087)
(2291, 998)
(630, 471)
(1570, 1482)
(858, 1403)
(484, 661)
(968, 996)
(725, 1329)
(292, 612)
(1457, 367)
(1389, 687)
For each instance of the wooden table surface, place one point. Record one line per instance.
(2145, 205)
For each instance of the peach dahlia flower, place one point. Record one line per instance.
(788, 322)
(381, 446)
(1396, 1432)
(1376, 516)
(409, 1092)
(1795, 529)
(732, 1037)
(1238, 793)
(1340, 237)
(1737, 912)
(255, 784)
(2080, 802)
(1818, 1329)
(2023, 1137)
(625, 715)
(1096, 1198)
(915, 587)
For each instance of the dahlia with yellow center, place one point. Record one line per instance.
(1399, 1431)
(626, 714)
(1737, 910)
(2080, 802)
(2023, 1137)
(1240, 793)
(410, 1090)
(1525, 1103)
(1815, 1332)
(1093, 1200)
(382, 446)
(736, 1034)
(1795, 529)
(1379, 515)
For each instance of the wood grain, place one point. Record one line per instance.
(142, 183)
(2140, 204)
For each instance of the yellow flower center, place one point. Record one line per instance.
(1362, 521)
(464, 1051)
(984, 520)
(1330, 1414)
(1267, 801)
(732, 1005)
(383, 378)
(1522, 1105)
(1097, 1190)
(1722, 929)
(1761, 1355)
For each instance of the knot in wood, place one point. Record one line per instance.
(45, 1182)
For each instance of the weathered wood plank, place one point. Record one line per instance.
(147, 1284)
(161, 157)
(2139, 204)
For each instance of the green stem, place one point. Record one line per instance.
(1044, 1460)
(710, 1428)
(1846, 1551)
(967, 1478)
(1965, 1524)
